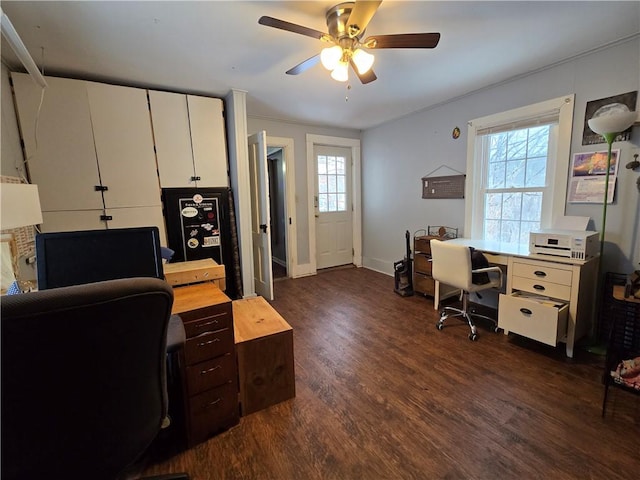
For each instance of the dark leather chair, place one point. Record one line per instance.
(83, 378)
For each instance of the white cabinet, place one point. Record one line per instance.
(190, 140)
(89, 148)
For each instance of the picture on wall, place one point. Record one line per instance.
(588, 175)
(624, 102)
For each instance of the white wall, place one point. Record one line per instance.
(298, 132)
(397, 154)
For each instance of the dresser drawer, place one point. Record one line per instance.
(424, 284)
(212, 411)
(545, 322)
(422, 244)
(540, 271)
(208, 345)
(422, 263)
(541, 287)
(211, 373)
(207, 319)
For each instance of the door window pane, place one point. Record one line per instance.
(332, 183)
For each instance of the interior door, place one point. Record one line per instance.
(260, 215)
(334, 222)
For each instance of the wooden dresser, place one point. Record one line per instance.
(210, 373)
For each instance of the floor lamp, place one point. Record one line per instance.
(609, 125)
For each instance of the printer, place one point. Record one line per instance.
(574, 244)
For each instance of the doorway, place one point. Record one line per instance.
(277, 191)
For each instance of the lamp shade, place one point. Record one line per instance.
(20, 205)
(341, 72)
(363, 61)
(614, 118)
(330, 57)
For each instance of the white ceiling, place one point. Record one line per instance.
(214, 46)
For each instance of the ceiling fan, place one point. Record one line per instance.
(346, 23)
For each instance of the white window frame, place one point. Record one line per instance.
(554, 198)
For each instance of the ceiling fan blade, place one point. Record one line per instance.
(292, 27)
(362, 13)
(302, 66)
(365, 78)
(403, 40)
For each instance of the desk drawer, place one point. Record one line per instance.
(211, 373)
(207, 319)
(422, 263)
(424, 284)
(545, 322)
(541, 272)
(208, 345)
(541, 287)
(213, 411)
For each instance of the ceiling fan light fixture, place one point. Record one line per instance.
(363, 60)
(330, 57)
(341, 72)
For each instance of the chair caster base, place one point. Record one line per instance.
(473, 337)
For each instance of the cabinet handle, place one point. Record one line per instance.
(538, 287)
(539, 273)
(204, 324)
(214, 402)
(204, 372)
(195, 179)
(202, 344)
(106, 218)
(526, 311)
(101, 188)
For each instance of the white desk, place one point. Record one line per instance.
(573, 281)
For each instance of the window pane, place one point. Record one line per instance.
(498, 147)
(341, 187)
(536, 175)
(525, 228)
(492, 230)
(496, 175)
(322, 164)
(517, 145)
(342, 202)
(331, 164)
(538, 142)
(323, 202)
(532, 206)
(515, 174)
(510, 232)
(493, 206)
(340, 165)
(332, 184)
(511, 205)
(322, 184)
(333, 202)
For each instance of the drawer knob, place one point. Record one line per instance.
(538, 287)
(539, 273)
(526, 311)
(209, 342)
(209, 370)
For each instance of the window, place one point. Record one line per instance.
(332, 183)
(517, 169)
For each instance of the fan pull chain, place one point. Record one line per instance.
(346, 97)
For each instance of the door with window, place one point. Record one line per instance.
(333, 206)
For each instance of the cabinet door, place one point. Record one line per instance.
(124, 145)
(208, 141)
(60, 153)
(138, 217)
(72, 220)
(172, 134)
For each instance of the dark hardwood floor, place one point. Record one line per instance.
(382, 394)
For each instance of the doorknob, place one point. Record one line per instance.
(263, 227)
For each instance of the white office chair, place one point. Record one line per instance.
(451, 264)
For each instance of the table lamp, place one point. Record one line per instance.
(609, 121)
(19, 207)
